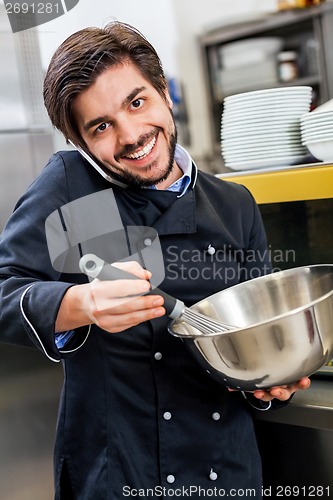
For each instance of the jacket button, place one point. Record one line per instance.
(212, 475)
(216, 415)
(211, 250)
(147, 242)
(158, 356)
(167, 415)
(171, 478)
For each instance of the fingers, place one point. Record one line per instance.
(133, 267)
(107, 294)
(129, 314)
(118, 305)
(303, 384)
(282, 393)
(125, 305)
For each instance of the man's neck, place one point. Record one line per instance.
(175, 174)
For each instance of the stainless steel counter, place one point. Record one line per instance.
(310, 408)
(296, 442)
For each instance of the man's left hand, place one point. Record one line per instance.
(283, 392)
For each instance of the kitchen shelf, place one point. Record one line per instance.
(296, 28)
(311, 81)
(294, 183)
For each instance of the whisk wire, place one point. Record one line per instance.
(203, 323)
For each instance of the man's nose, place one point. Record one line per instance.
(127, 131)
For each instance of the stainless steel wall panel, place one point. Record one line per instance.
(16, 171)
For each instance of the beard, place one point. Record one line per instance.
(140, 180)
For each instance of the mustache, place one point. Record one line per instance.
(143, 139)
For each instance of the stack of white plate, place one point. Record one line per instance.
(249, 51)
(249, 63)
(252, 75)
(262, 128)
(317, 131)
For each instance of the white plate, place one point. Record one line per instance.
(268, 120)
(269, 161)
(268, 45)
(326, 106)
(315, 138)
(256, 101)
(261, 69)
(256, 153)
(316, 124)
(323, 150)
(259, 131)
(265, 154)
(266, 113)
(261, 141)
(267, 135)
(317, 117)
(283, 105)
(316, 130)
(267, 105)
(313, 127)
(248, 107)
(243, 127)
(259, 147)
(318, 133)
(276, 91)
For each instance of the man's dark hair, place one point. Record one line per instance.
(84, 56)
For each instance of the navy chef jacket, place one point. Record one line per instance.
(138, 416)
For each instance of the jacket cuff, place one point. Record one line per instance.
(39, 306)
(265, 405)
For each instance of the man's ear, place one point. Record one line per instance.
(168, 98)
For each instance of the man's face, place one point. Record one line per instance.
(128, 126)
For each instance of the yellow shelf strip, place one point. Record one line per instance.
(302, 183)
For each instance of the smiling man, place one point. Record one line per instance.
(128, 126)
(138, 415)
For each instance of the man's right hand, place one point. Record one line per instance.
(114, 306)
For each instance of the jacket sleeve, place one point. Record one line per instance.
(31, 290)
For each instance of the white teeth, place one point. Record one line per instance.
(144, 151)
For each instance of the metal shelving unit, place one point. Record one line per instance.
(295, 28)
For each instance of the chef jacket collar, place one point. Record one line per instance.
(189, 169)
(185, 163)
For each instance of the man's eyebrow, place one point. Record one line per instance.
(132, 95)
(101, 119)
(95, 121)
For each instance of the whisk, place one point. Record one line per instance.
(95, 267)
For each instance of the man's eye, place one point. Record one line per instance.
(102, 127)
(137, 103)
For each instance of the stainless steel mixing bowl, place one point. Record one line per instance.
(284, 329)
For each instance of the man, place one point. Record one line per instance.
(138, 416)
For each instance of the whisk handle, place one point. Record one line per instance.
(93, 266)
